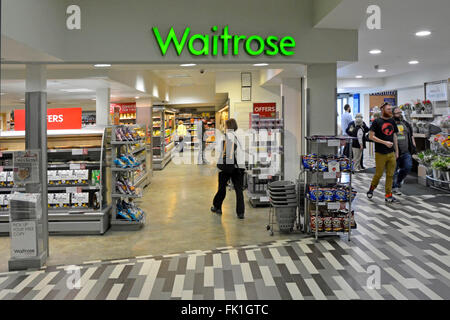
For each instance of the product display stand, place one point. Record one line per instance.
(267, 154)
(128, 171)
(331, 216)
(439, 180)
(163, 136)
(77, 202)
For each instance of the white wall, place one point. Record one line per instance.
(230, 82)
(192, 94)
(407, 95)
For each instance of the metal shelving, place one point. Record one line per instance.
(118, 148)
(92, 219)
(162, 149)
(311, 177)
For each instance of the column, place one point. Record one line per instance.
(321, 100)
(103, 117)
(36, 139)
(291, 93)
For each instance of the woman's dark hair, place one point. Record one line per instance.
(231, 124)
(347, 107)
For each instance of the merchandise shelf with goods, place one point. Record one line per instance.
(129, 171)
(77, 174)
(434, 163)
(163, 136)
(191, 121)
(266, 151)
(325, 184)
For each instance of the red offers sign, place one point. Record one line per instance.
(57, 119)
(124, 107)
(265, 110)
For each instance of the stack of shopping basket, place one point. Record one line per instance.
(283, 199)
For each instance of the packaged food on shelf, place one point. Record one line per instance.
(82, 176)
(9, 179)
(328, 223)
(62, 199)
(80, 200)
(95, 177)
(3, 179)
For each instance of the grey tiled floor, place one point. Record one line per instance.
(409, 243)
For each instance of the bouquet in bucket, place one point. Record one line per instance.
(418, 107)
(427, 107)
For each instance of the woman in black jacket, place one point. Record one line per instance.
(358, 129)
(229, 169)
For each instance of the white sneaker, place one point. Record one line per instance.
(396, 191)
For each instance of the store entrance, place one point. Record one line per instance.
(139, 185)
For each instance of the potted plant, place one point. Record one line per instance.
(447, 169)
(438, 166)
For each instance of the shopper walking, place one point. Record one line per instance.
(181, 133)
(358, 129)
(406, 148)
(346, 118)
(384, 133)
(230, 168)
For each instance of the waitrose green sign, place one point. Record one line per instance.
(253, 45)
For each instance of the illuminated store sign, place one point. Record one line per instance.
(253, 45)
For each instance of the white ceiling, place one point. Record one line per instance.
(15, 91)
(400, 19)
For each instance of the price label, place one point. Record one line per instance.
(77, 152)
(322, 203)
(333, 166)
(334, 143)
(263, 176)
(73, 190)
(75, 166)
(85, 151)
(321, 141)
(264, 199)
(334, 206)
(1, 169)
(329, 175)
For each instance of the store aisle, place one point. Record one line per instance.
(178, 202)
(409, 244)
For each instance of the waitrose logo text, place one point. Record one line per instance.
(253, 45)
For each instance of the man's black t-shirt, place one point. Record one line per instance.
(384, 130)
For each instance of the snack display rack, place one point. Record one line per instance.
(163, 136)
(327, 188)
(267, 153)
(129, 171)
(77, 202)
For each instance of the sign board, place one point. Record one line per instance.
(265, 110)
(23, 239)
(57, 119)
(123, 107)
(436, 91)
(26, 167)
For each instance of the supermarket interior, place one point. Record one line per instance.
(110, 154)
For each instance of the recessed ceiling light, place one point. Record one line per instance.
(187, 65)
(260, 64)
(381, 70)
(413, 62)
(358, 77)
(102, 65)
(423, 33)
(77, 90)
(375, 51)
(94, 99)
(136, 98)
(2, 93)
